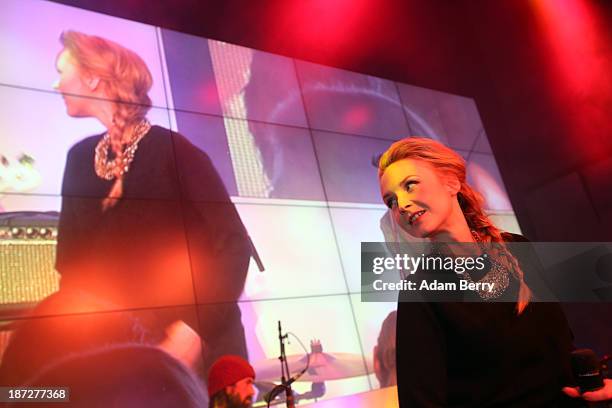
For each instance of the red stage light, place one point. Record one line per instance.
(572, 31)
(335, 25)
(580, 63)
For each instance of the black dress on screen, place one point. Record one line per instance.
(174, 238)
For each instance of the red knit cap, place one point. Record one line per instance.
(226, 371)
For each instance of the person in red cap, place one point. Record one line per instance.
(230, 383)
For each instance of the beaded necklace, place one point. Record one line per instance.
(498, 275)
(117, 167)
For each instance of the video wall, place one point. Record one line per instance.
(246, 205)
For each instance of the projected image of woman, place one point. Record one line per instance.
(145, 219)
(512, 353)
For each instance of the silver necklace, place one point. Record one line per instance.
(498, 275)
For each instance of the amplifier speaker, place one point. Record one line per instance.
(27, 257)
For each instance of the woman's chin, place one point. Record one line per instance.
(416, 231)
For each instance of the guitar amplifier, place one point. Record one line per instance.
(27, 256)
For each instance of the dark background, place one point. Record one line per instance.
(540, 72)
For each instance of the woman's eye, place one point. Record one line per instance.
(409, 186)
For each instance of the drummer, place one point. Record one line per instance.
(230, 383)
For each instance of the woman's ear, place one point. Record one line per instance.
(452, 184)
(92, 82)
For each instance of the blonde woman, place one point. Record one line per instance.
(514, 352)
(145, 220)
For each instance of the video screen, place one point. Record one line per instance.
(170, 191)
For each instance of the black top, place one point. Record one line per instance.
(174, 230)
(483, 354)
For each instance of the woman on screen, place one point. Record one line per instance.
(507, 353)
(145, 220)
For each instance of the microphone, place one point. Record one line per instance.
(280, 388)
(587, 370)
(588, 374)
(317, 390)
(276, 391)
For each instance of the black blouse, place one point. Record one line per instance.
(468, 354)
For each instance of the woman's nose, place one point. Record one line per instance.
(403, 203)
(403, 209)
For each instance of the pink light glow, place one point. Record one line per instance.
(572, 31)
(357, 117)
(580, 63)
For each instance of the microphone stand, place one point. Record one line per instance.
(285, 373)
(286, 379)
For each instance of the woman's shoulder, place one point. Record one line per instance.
(160, 132)
(160, 136)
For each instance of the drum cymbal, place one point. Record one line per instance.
(323, 367)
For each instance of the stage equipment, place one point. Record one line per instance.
(27, 257)
(323, 366)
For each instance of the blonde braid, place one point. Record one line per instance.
(119, 134)
(471, 203)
